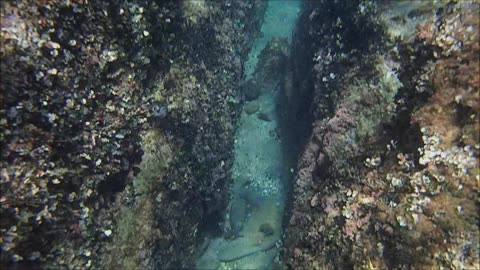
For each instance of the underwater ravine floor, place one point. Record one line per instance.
(257, 203)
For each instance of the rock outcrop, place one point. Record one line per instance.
(388, 178)
(117, 126)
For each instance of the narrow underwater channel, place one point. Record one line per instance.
(239, 134)
(261, 171)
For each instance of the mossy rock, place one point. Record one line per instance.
(157, 155)
(271, 65)
(194, 11)
(251, 107)
(130, 236)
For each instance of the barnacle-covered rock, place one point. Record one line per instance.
(387, 177)
(111, 115)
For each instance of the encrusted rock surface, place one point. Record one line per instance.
(117, 122)
(388, 178)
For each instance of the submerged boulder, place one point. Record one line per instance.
(250, 90)
(271, 64)
(251, 107)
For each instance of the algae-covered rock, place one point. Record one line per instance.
(96, 111)
(271, 64)
(250, 90)
(156, 158)
(409, 109)
(251, 107)
(194, 11)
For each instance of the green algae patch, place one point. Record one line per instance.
(376, 96)
(365, 101)
(157, 156)
(136, 232)
(194, 11)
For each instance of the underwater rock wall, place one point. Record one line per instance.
(117, 125)
(389, 176)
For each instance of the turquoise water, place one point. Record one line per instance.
(259, 172)
(279, 21)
